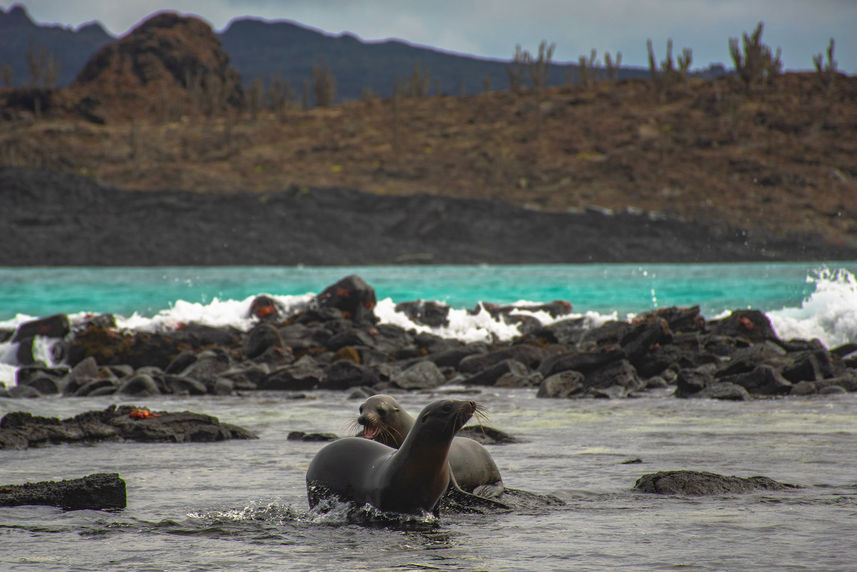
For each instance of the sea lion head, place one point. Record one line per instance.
(384, 420)
(444, 418)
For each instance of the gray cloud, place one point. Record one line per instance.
(493, 28)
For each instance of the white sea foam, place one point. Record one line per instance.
(829, 313)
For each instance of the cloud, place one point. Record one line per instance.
(492, 29)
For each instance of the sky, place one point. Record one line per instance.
(492, 28)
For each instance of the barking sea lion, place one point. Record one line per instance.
(473, 469)
(409, 480)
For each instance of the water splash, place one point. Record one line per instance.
(828, 314)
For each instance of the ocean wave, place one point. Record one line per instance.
(828, 314)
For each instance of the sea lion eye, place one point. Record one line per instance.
(361, 409)
(382, 413)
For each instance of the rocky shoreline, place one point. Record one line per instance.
(55, 219)
(336, 343)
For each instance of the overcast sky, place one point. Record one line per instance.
(492, 28)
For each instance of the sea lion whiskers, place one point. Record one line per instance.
(480, 414)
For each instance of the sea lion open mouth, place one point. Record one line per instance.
(370, 431)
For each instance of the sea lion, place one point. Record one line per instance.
(411, 479)
(473, 469)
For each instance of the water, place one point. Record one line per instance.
(242, 505)
(600, 288)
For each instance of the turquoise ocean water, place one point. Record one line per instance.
(603, 288)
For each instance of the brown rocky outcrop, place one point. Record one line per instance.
(168, 64)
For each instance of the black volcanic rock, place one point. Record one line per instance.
(47, 219)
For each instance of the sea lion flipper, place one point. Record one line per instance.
(489, 490)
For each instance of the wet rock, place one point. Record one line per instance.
(682, 319)
(46, 380)
(764, 380)
(844, 351)
(584, 362)
(453, 357)
(351, 337)
(562, 385)
(847, 381)
(44, 384)
(265, 308)
(690, 382)
(97, 387)
(181, 385)
(344, 374)
(209, 365)
(831, 390)
(223, 386)
(56, 326)
(516, 379)
(752, 325)
(20, 429)
(421, 375)
(725, 392)
(312, 437)
(249, 376)
(352, 296)
(609, 333)
(804, 388)
(620, 373)
(302, 375)
(100, 491)
(492, 374)
(526, 354)
(744, 360)
(428, 313)
(139, 385)
(695, 483)
(23, 392)
(181, 362)
(81, 374)
(262, 337)
(568, 331)
(643, 337)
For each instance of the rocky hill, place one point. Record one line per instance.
(71, 49)
(167, 62)
(773, 158)
(287, 51)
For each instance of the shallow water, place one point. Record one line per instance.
(242, 504)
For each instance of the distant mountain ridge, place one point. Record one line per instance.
(267, 49)
(73, 47)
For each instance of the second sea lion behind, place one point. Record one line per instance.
(411, 479)
(386, 421)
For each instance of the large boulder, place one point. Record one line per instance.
(352, 296)
(698, 483)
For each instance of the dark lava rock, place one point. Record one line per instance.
(563, 384)
(302, 375)
(19, 430)
(750, 324)
(764, 380)
(95, 492)
(697, 483)
(352, 296)
(302, 436)
(56, 326)
(428, 313)
(421, 375)
(492, 374)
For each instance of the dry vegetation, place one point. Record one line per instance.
(758, 148)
